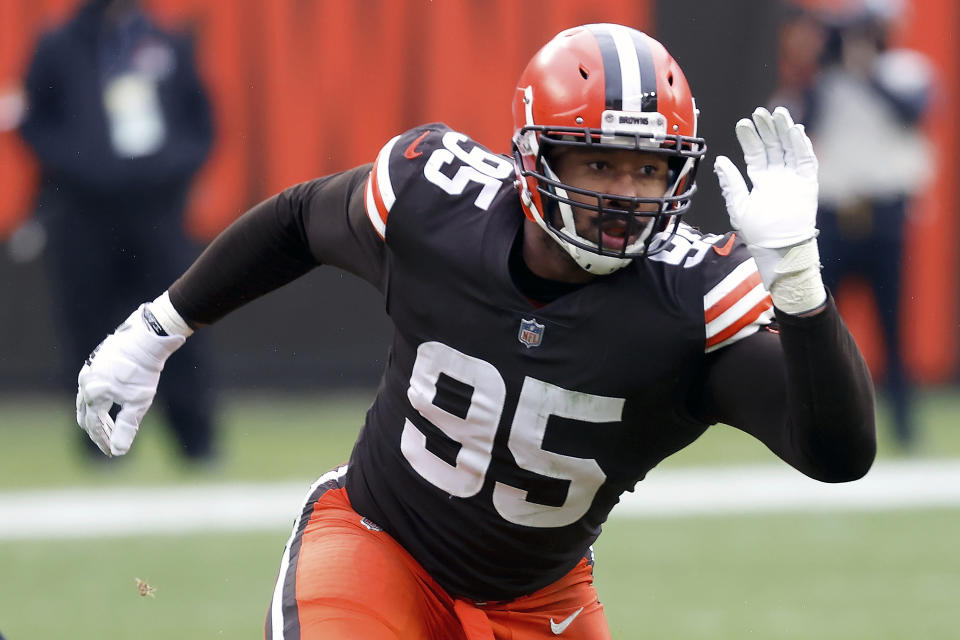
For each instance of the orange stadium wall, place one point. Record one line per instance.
(303, 88)
(930, 303)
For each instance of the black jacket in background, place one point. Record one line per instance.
(66, 124)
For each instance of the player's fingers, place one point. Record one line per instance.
(732, 186)
(783, 123)
(125, 430)
(767, 130)
(81, 408)
(93, 387)
(98, 425)
(806, 159)
(136, 394)
(753, 151)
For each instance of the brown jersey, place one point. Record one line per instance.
(504, 433)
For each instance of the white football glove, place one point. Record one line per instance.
(118, 381)
(777, 218)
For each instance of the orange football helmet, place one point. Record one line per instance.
(608, 86)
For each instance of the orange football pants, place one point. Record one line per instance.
(343, 578)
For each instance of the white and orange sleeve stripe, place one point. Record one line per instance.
(736, 307)
(379, 197)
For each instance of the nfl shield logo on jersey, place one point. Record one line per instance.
(531, 333)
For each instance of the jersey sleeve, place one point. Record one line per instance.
(277, 241)
(379, 195)
(735, 302)
(339, 220)
(399, 162)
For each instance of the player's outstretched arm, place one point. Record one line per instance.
(116, 385)
(807, 393)
(274, 243)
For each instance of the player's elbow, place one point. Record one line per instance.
(848, 462)
(853, 470)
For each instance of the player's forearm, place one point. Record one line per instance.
(831, 431)
(262, 251)
(805, 393)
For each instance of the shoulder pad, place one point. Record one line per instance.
(430, 162)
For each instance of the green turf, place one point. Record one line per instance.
(206, 587)
(870, 576)
(873, 576)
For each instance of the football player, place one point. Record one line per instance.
(559, 330)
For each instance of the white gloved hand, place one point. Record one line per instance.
(118, 381)
(777, 218)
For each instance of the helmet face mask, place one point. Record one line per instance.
(603, 87)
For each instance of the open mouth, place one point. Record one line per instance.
(614, 236)
(613, 233)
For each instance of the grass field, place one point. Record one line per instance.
(873, 575)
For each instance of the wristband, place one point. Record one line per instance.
(170, 322)
(797, 286)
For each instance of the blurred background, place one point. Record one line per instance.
(301, 88)
(304, 88)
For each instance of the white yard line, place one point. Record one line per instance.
(78, 513)
(722, 490)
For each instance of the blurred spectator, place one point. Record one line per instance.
(120, 123)
(863, 108)
(800, 46)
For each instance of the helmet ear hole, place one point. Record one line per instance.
(670, 79)
(584, 72)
